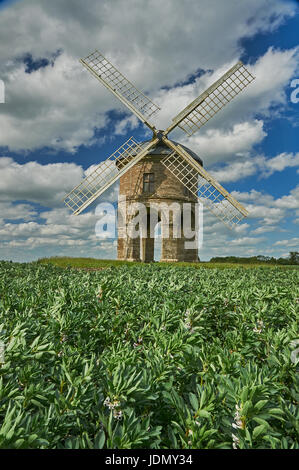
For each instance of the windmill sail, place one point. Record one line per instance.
(202, 185)
(120, 86)
(106, 173)
(187, 170)
(197, 113)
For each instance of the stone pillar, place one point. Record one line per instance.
(175, 245)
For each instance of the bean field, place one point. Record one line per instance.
(148, 357)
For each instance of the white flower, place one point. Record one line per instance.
(110, 404)
(260, 326)
(139, 342)
(237, 424)
(107, 402)
(236, 441)
(117, 414)
(188, 321)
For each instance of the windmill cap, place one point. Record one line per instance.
(163, 149)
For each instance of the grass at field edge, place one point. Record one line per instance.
(93, 263)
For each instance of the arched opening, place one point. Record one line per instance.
(150, 245)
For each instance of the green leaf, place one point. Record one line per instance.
(259, 420)
(19, 443)
(260, 404)
(32, 438)
(193, 401)
(275, 411)
(99, 440)
(172, 438)
(258, 430)
(203, 414)
(69, 444)
(34, 343)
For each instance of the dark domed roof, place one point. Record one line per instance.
(163, 149)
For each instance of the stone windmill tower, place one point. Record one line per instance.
(160, 173)
(149, 182)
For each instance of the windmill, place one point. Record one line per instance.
(180, 167)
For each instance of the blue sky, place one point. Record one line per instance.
(58, 121)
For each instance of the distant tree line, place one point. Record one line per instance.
(293, 258)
